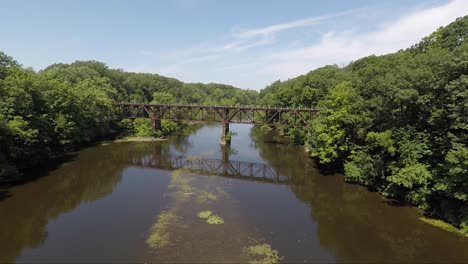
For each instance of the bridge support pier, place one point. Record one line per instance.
(225, 136)
(156, 124)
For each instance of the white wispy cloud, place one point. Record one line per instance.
(272, 29)
(253, 58)
(346, 46)
(241, 40)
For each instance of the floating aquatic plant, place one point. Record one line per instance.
(180, 186)
(159, 236)
(158, 240)
(214, 220)
(221, 191)
(262, 253)
(210, 217)
(204, 214)
(205, 197)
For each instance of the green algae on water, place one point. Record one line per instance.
(204, 214)
(206, 197)
(440, 224)
(221, 192)
(159, 236)
(210, 218)
(180, 185)
(262, 253)
(158, 240)
(214, 220)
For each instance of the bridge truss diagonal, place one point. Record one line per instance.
(279, 116)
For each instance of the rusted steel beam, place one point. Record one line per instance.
(280, 116)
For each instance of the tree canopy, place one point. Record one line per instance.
(65, 106)
(397, 123)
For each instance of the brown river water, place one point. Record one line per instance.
(140, 202)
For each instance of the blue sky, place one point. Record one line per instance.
(246, 43)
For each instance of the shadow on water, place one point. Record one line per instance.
(62, 185)
(56, 189)
(4, 194)
(34, 174)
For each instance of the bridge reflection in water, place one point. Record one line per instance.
(219, 167)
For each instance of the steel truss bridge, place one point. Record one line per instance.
(278, 116)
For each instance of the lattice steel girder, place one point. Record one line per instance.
(297, 117)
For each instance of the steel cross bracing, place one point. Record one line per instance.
(279, 116)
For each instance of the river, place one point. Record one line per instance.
(188, 200)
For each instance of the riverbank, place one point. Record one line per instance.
(11, 176)
(425, 217)
(442, 225)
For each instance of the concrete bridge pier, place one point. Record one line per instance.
(225, 136)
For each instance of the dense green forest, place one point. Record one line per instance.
(396, 123)
(66, 106)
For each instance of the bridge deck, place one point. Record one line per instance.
(246, 107)
(279, 116)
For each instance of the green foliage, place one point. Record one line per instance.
(381, 140)
(397, 123)
(414, 178)
(163, 98)
(66, 106)
(464, 225)
(454, 184)
(168, 127)
(298, 136)
(228, 136)
(8, 173)
(144, 127)
(331, 131)
(127, 125)
(266, 128)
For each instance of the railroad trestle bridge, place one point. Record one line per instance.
(278, 116)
